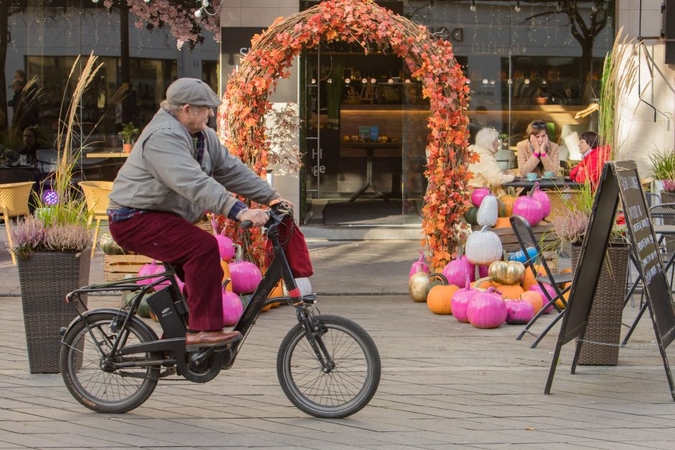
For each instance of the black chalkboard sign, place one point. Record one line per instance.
(619, 180)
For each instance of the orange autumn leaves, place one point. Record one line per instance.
(430, 61)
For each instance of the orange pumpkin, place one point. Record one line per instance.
(482, 283)
(512, 291)
(503, 222)
(529, 279)
(278, 291)
(534, 299)
(566, 296)
(508, 200)
(439, 299)
(226, 275)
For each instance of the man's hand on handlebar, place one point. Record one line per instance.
(257, 217)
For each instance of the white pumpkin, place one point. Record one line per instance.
(304, 285)
(483, 247)
(488, 211)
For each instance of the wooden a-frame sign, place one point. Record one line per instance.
(619, 181)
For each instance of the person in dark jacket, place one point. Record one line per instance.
(176, 170)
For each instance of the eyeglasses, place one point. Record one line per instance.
(539, 124)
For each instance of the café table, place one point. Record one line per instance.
(557, 183)
(370, 148)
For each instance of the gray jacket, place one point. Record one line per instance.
(163, 174)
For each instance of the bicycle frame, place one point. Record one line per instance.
(175, 344)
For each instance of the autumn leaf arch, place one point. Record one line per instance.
(362, 22)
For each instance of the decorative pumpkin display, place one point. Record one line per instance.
(227, 275)
(419, 266)
(225, 247)
(232, 308)
(245, 277)
(471, 216)
(507, 272)
(486, 310)
(109, 246)
(488, 211)
(518, 312)
(520, 256)
(529, 209)
(478, 195)
(510, 291)
(439, 298)
(417, 286)
(507, 200)
(436, 279)
(460, 300)
(502, 222)
(533, 298)
(545, 296)
(152, 269)
(543, 199)
(483, 247)
(458, 269)
(304, 285)
(530, 279)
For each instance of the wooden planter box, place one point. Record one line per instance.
(116, 267)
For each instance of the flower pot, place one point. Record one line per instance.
(603, 332)
(45, 279)
(126, 148)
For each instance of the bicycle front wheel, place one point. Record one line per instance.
(351, 379)
(84, 356)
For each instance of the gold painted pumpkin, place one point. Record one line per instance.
(507, 272)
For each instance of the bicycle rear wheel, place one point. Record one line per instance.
(344, 389)
(100, 389)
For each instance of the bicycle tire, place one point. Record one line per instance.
(112, 392)
(344, 390)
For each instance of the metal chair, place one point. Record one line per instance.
(96, 197)
(526, 238)
(13, 203)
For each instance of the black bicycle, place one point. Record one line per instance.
(111, 360)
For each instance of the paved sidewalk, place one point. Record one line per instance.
(444, 384)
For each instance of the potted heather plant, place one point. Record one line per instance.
(52, 245)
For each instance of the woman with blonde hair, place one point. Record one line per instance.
(486, 171)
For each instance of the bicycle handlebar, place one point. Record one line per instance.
(276, 214)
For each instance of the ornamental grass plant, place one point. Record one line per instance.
(59, 223)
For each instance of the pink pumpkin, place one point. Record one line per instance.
(486, 310)
(152, 269)
(460, 301)
(232, 308)
(518, 312)
(457, 270)
(418, 266)
(245, 277)
(529, 209)
(543, 199)
(546, 296)
(478, 195)
(225, 247)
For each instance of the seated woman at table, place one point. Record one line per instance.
(486, 171)
(537, 154)
(593, 158)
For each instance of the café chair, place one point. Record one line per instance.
(537, 264)
(96, 197)
(13, 203)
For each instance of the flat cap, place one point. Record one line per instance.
(191, 91)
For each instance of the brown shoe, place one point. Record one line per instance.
(220, 338)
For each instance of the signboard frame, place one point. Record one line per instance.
(619, 181)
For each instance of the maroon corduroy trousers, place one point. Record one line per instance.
(172, 239)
